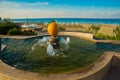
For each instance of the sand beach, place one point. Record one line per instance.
(104, 28)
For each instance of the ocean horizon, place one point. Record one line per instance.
(70, 20)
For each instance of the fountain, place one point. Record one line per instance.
(52, 53)
(53, 42)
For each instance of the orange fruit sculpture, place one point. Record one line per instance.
(53, 29)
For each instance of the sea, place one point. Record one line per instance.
(70, 20)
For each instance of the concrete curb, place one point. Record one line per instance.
(87, 36)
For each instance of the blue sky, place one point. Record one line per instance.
(60, 8)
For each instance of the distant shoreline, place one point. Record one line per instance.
(70, 20)
(64, 18)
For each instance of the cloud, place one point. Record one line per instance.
(30, 13)
(7, 4)
(47, 13)
(13, 9)
(107, 14)
(36, 3)
(15, 4)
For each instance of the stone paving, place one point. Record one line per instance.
(113, 73)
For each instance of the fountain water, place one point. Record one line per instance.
(53, 42)
(81, 53)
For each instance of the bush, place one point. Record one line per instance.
(6, 26)
(15, 31)
(62, 28)
(30, 32)
(106, 37)
(10, 28)
(94, 28)
(117, 31)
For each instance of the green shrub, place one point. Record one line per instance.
(117, 31)
(62, 28)
(6, 26)
(94, 28)
(15, 31)
(30, 32)
(106, 36)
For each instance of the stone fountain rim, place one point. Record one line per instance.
(11, 73)
(92, 69)
(86, 36)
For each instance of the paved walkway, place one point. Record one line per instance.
(113, 73)
(114, 70)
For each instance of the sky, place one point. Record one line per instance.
(60, 8)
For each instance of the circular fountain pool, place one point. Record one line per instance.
(80, 54)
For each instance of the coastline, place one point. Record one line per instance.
(71, 20)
